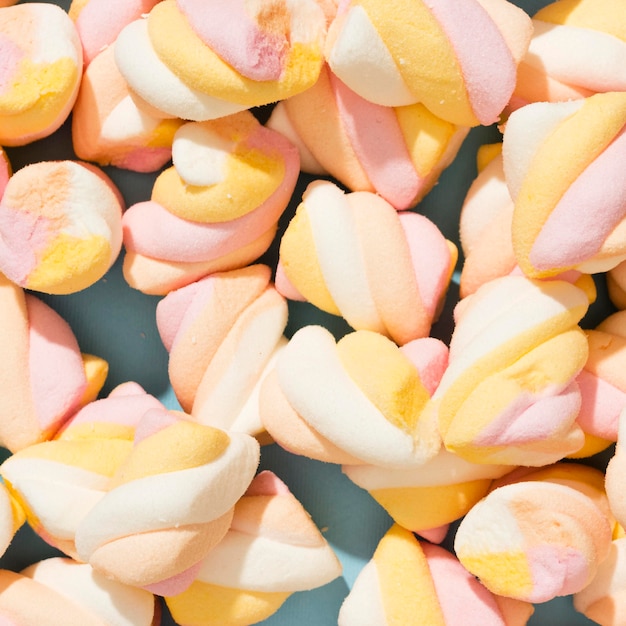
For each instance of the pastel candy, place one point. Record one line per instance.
(404, 52)
(240, 57)
(534, 541)
(99, 22)
(57, 482)
(110, 129)
(578, 48)
(485, 225)
(371, 410)
(509, 394)
(272, 549)
(427, 498)
(485, 229)
(42, 374)
(216, 209)
(412, 582)
(398, 153)
(55, 587)
(603, 600)
(41, 71)
(558, 157)
(586, 479)
(223, 334)
(60, 226)
(168, 504)
(603, 391)
(353, 255)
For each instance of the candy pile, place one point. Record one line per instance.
(257, 176)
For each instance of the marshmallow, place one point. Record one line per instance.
(403, 52)
(353, 255)
(223, 334)
(358, 401)
(215, 209)
(58, 482)
(41, 70)
(60, 226)
(219, 59)
(272, 549)
(534, 541)
(412, 582)
(558, 157)
(398, 153)
(168, 503)
(108, 127)
(509, 394)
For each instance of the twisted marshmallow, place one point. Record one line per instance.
(411, 582)
(204, 60)
(398, 153)
(401, 52)
(371, 410)
(223, 334)
(271, 550)
(215, 209)
(108, 127)
(509, 393)
(353, 255)
(57, 482)
(168, 503)
(557, 160)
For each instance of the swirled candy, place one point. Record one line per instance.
(273, 549)
(223, 334)
(398, 152)
(562, 162)
(400, 52)
(168, 503)
(354, 255)
(509, 394)
(201, 60)
(215, 209)
(360, 400)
